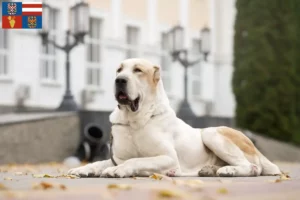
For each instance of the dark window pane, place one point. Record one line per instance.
(5, 66)
(46, 69)
(5, 38)
(89, 77)
(98, 77)
(1, 64)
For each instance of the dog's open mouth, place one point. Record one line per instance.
(124, 99)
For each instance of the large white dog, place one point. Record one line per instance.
(148, 137)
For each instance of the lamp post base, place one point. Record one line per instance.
(68, 104)
(186, 113)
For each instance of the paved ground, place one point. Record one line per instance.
(25, 182)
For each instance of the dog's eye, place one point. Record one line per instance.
(119, 70)
(137, 70)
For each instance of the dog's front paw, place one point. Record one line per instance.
(227, 171)
(120, 171)
(83, 171)
(86, 171)
(173, 172)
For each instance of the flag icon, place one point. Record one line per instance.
(22, 15)
(32, 9)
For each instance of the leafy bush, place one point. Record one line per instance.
(266, 79)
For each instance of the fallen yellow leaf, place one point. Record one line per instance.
(18, 173)
(42, 176)
(284, 177)
(3, 187)
(63, 187)
(166, 193)
(67, 176)
(156, 176)
(51, 176)
(119, 186)
(8, 179)
(190, 183)
(43, 186)
(222, 191)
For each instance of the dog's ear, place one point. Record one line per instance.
(156, 75)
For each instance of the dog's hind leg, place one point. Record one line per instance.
(235, 149)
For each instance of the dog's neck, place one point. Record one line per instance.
(136, 120)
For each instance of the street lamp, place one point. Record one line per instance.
(175, 44)
(79, 28)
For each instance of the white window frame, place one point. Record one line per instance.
(132, 49)
(195, 71)
(5, 70)
(94, 67)
(49, 72)
(166, 63)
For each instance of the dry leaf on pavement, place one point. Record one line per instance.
(42, 176)
(119, 186)
(18, 173)
(8, 179)
(167, 193)
(222, 191)
(51, 176)
(63, 187)
(156, 176)
(3, 187)
(67, 176)
(43, 186)
(196, 184)
(283, 177)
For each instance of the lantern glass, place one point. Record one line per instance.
(205, 41)
(167, 41)
(74, 19)
(178, 38)
(45, 18)
(83, 12)
(80, 18)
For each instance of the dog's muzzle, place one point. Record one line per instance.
(122, 94)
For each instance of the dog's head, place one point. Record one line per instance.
(136, 83)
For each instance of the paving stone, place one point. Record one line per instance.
(264, 187)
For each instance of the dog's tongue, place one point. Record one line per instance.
(122, 96)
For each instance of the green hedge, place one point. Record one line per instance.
(266, 79)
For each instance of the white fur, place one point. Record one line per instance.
(154, 140)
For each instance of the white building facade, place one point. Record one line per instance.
(120, 29)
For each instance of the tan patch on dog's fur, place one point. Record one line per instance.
(156, 75)
(239, 139)
(153, 76)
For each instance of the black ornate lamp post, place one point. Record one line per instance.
(175, 46)
(79, 28)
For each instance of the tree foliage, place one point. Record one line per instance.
(266, 79)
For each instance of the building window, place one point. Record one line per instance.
(93, 50)
(132, 39)
(196, 69)
(4, 69)
(166, 62)
(49, 52)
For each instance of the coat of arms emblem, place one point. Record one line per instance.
(32, 21)
(11, 8)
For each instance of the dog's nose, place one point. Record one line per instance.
(121, 81)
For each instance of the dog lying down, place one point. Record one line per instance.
(148, 137)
